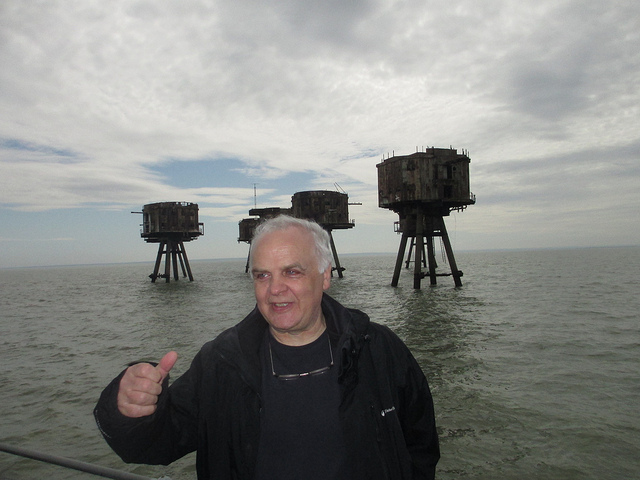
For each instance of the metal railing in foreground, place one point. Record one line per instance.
(73, 464)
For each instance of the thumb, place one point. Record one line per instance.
(166, 364)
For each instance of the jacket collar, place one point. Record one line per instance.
(351, 326)
(347, 324)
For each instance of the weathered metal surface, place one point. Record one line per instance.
(246, 227)
(171, 224)
(423, 188)
(171, 219)
(327, 208)
(437, 177)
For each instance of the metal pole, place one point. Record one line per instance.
(335, 255)
(417, 268)
(432, 258)
(154, 275)
(174, 257)
(400, 257)
(70, 463)
(167, 262)
(406, 265)
(186, 262)
(181, 258)
(452, 261)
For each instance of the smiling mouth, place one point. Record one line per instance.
(280, 305)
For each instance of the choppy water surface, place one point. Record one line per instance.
(533, 363)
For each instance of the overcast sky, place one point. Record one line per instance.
(107, 106)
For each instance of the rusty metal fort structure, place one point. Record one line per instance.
(171, 224)
(328, 209)
(423, 188)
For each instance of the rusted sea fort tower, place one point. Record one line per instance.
(171, 224)
(423, 188)
(328, 209)
(247, 226)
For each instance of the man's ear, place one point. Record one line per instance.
(326, 281)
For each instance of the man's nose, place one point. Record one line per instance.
(277, 285)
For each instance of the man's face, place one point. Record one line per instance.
(288, 286)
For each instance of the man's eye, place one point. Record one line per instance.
(260, 276)
(292, 273)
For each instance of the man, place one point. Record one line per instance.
(302, 388)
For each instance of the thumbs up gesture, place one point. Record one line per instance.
(141, 385)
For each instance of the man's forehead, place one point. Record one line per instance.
(283, 254)
(289, 241)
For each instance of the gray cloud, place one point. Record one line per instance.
(544, 95)
(606, 176)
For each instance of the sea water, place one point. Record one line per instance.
(533, 363)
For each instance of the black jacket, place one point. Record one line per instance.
(214, 408)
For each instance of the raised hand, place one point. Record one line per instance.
(141, 385)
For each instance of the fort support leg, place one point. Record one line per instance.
(457, 274)
(154, 275)
(417, 272)
(167, 263)
(335, 256)
(186, 261)
(174, 258)
(432, 259)
(417, 268)
(174, 252)
(411, 245)
(396, 271)
(181, 259)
